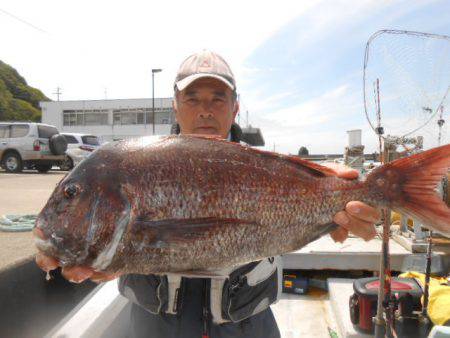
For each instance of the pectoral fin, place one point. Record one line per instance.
(169, 232)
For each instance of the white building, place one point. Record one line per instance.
(110, 119)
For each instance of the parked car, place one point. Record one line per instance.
(79, 147)
(30, 145)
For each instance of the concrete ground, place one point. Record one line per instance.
(24, 193)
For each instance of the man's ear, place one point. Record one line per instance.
(175, 106)
(236, 109)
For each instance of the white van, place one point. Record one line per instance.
(30, 145)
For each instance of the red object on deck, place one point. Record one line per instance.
(363, 303)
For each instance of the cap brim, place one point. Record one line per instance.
(183, 84)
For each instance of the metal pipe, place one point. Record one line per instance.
(153, 98)
(427, 278)
(153, 102)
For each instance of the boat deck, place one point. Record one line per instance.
(353, 254)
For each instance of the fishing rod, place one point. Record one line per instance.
(426, 292)
(384, 319)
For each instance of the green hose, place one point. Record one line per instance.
(17, 223)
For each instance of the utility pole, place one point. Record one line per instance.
(57, 93)
(440, 124)
(153, 96)
(239, 111)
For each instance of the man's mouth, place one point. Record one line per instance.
(206, 129)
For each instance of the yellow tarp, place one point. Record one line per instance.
(439, 297)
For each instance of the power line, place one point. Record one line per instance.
(23, 21)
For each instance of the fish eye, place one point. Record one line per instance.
(71, 190)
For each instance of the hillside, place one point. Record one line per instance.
(18, 101)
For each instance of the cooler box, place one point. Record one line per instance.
(363, 303)
(293, 282)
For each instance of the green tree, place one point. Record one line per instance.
(303, 151)
(18, 101)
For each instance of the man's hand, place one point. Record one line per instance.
(75, 274)
(357, 218)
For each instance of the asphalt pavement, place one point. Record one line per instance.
(24, 193)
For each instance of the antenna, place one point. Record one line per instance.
(57, 93)
(239, 111)
(379, 130)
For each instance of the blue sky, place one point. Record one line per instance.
(298, 64)
(308, 75)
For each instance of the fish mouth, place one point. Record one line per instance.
(38, 233)
(42, 242)
(51, 246)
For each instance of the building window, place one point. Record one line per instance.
(95, 117)
(122, 116)
(142, 116)
(163, 116)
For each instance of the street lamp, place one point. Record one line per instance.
(153, 96)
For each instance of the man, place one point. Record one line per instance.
(205, 102)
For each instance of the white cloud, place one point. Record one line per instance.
(333, 103)
(97, 44)
(266, 103)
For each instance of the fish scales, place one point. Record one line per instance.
(183, 203)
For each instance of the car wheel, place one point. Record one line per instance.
(43, 168)
(67, 164)
(12, 163)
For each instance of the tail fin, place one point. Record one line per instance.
(409, 184)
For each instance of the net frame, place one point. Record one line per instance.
(376, 105)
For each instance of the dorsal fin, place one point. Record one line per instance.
(313, 168)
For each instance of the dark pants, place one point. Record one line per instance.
(189, 323)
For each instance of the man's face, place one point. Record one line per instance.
(205, 107)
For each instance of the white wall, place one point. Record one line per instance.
(52, 113)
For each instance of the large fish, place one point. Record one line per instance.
(184, 203)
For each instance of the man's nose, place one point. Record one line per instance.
(205, 111)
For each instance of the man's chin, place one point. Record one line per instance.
(207, 131)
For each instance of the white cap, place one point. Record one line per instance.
(204, 64)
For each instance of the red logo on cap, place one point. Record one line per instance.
(205, 63)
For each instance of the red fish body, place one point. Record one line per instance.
(184, 203)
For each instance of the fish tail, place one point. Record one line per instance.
(408, 185)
